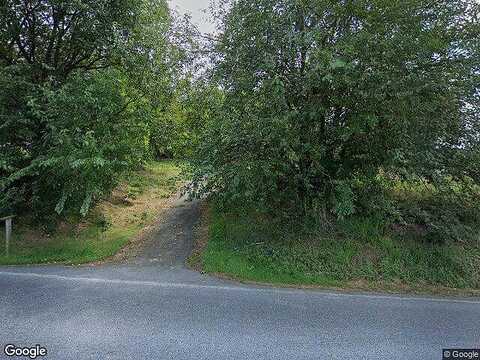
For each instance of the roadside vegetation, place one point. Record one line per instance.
(336, 142)
(347, 146)
(357, 252)
(90, 90)
(92, 93)
(116, 220)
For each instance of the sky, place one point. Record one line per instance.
(194, 8)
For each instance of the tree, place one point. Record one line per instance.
(55, 37)
(80, 82)
(323, 96)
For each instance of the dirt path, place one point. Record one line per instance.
(170, 240)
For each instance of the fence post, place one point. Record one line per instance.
(8, 234)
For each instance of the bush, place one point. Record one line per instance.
(449, 211)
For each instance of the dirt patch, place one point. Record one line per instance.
(158, 206)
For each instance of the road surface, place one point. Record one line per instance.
(152, 307)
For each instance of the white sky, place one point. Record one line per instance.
(194, 8)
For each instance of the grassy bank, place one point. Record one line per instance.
(116, 220)
(361, 254)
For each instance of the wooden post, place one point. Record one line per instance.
(8, 234)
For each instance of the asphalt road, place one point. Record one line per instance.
(157, 309)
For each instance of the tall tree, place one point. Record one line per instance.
(80, 82)
(56, 37)
(323, 95)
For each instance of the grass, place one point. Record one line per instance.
(113, 223)
(361, 254)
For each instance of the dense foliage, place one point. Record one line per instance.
(314, 109)
(83, 85)
(193, 106)
(329, 106)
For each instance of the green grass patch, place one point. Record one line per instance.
(116, 220)
(361, 251)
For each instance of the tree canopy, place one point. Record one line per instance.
(325, 101)
(82, 84)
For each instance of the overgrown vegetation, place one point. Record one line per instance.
(360, 253)
(329, 105)
(84, 89)
(346, 149)
(133, 205)
(343, 135)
